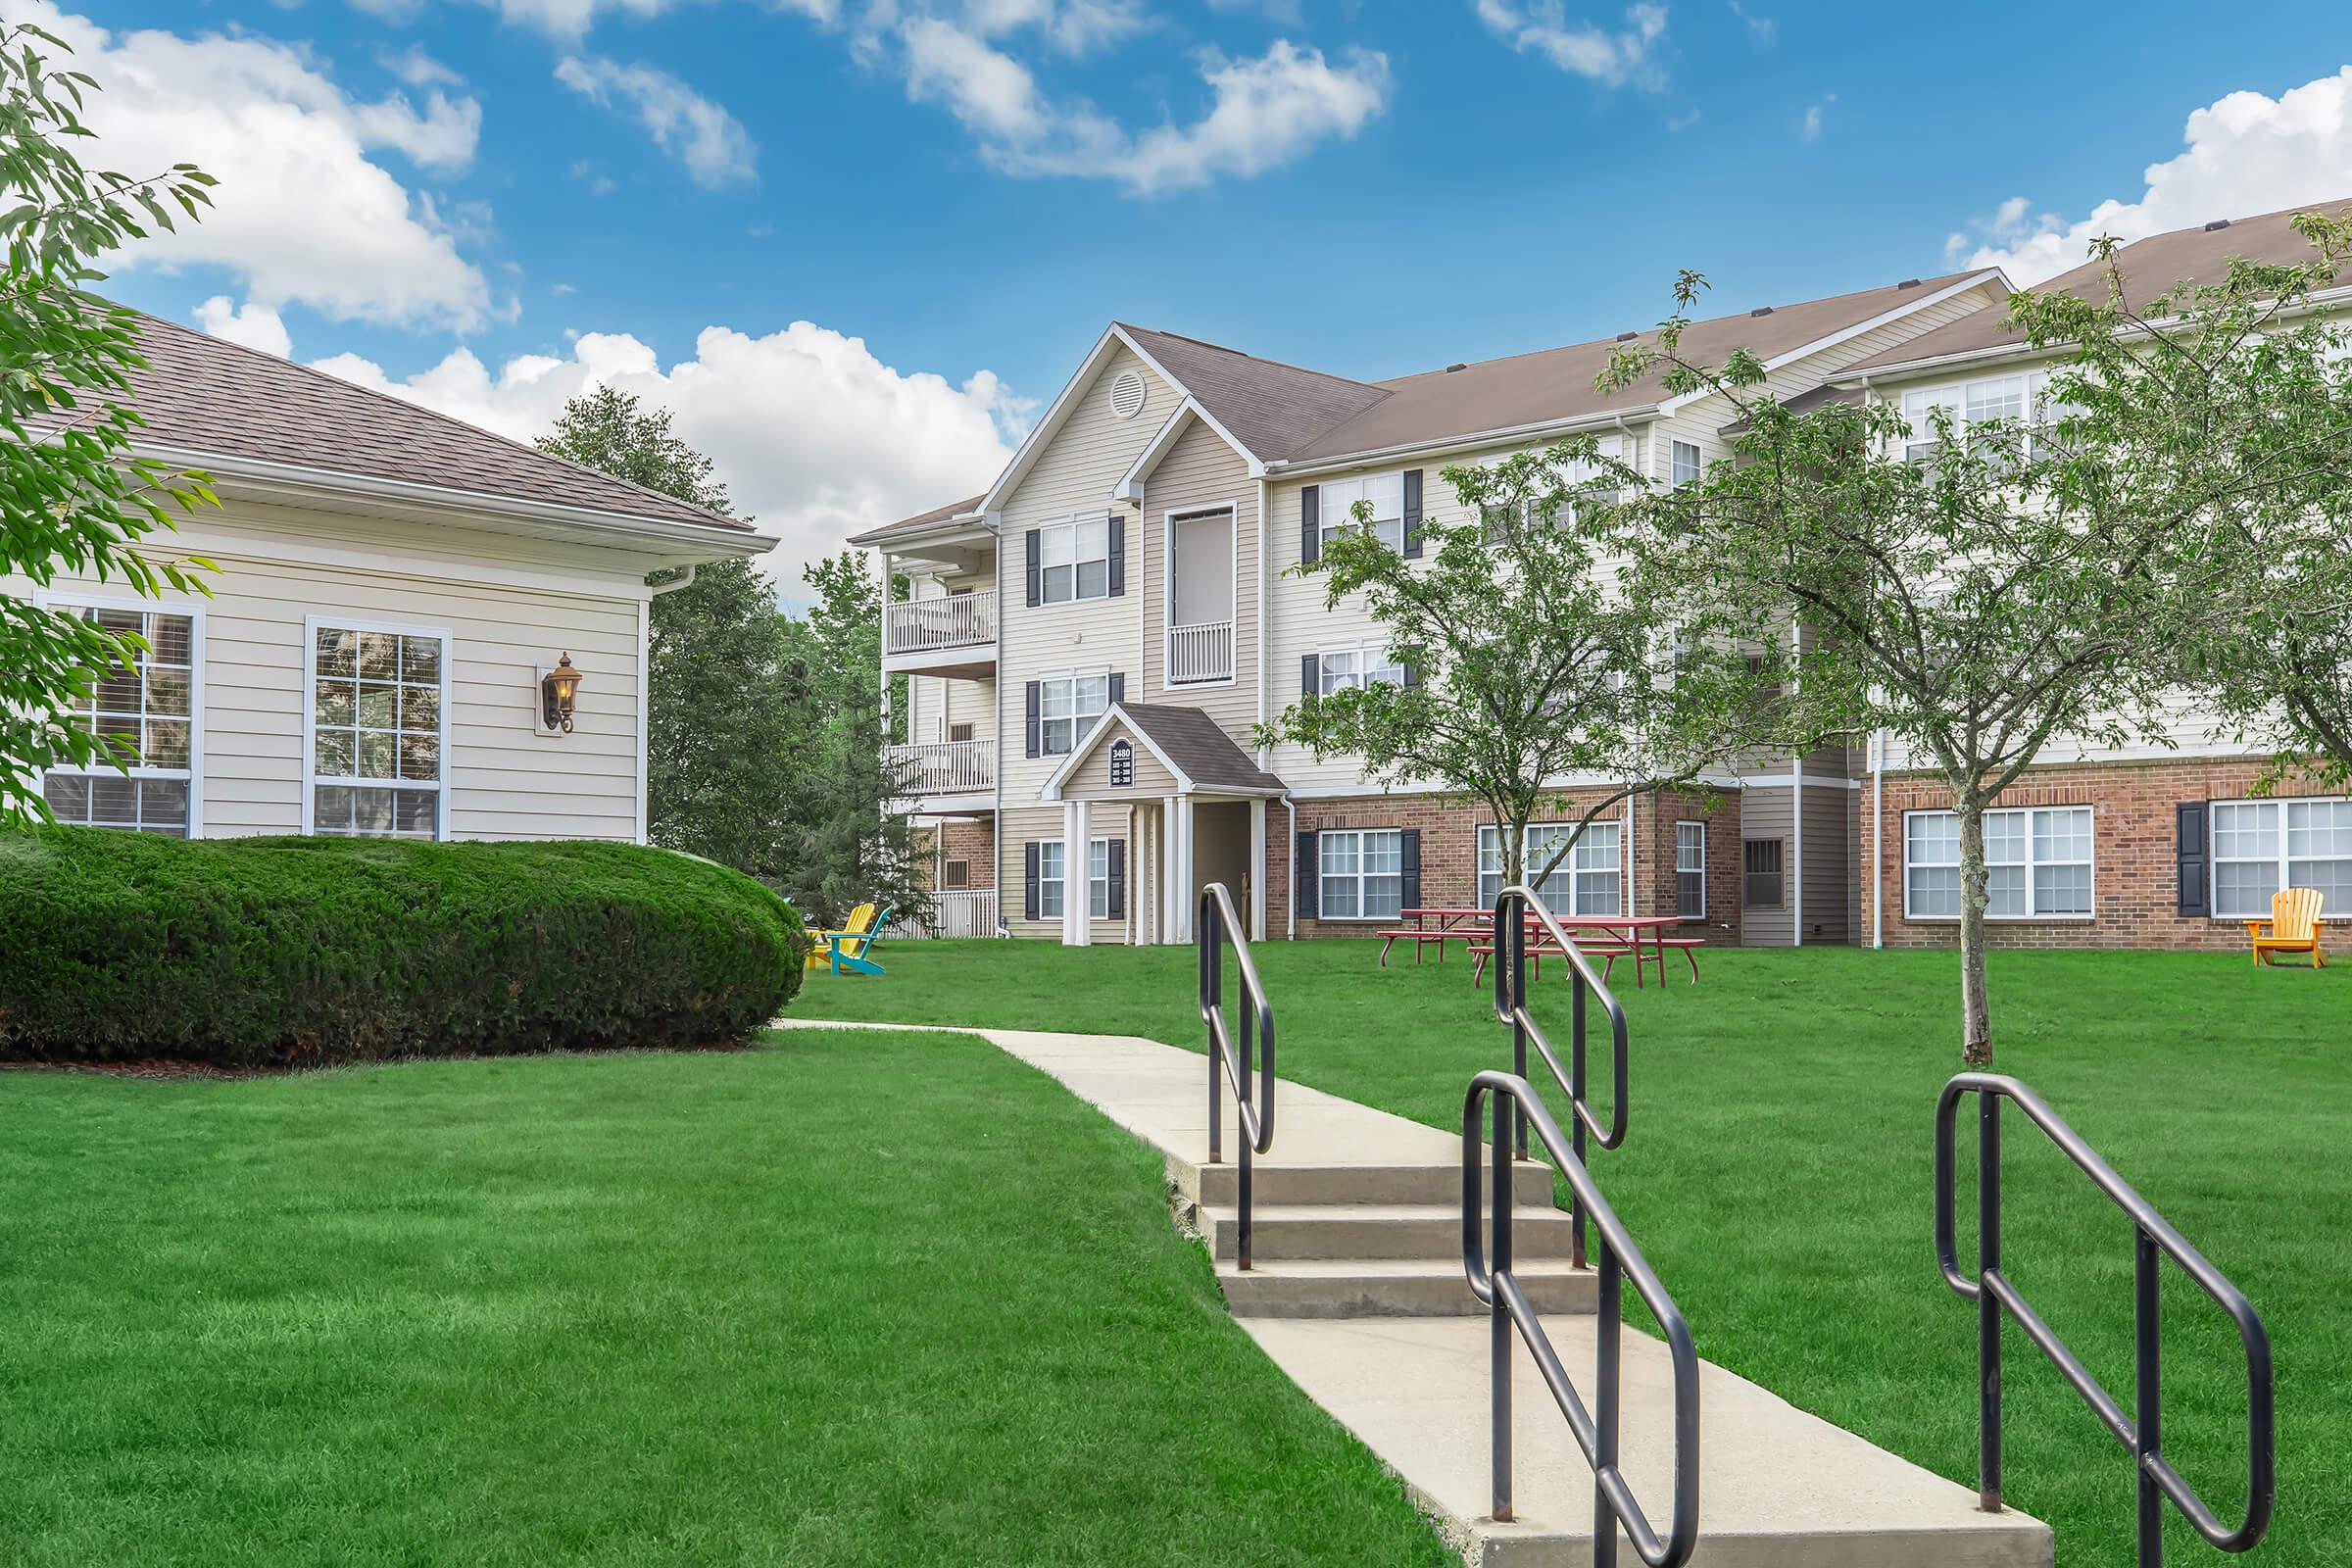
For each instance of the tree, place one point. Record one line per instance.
(1982, 588)
(72, 496)
(719, 719)
(1528, 658)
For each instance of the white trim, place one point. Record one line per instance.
(1168, 612)
(645, 701)
(1322, 837)
(1487, 832)
(1701, 823)
(2281, 861)
(444, 786)
(1094, 737)
(1257, 466)
(1977, 280)
(2029, 865)
(1131, 484)
(1445, 446)
(45, 598)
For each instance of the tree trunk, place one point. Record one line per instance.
(1976, 1008)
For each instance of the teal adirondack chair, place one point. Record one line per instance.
(852, 951)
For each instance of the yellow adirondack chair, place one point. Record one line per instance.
(861, 921)
(2293, 927)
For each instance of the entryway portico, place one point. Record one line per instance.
(1195, 807)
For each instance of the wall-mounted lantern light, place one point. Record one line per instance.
(557, 688)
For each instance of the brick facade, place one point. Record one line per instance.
(2134, 842)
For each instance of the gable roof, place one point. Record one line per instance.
(918, 522)
(207, 397)
(2199, 255)
(1188, 743)
(1272, 409)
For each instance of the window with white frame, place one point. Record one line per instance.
(1690, 870)
(1590, 880)
(1356, 665)
(1336, 506)
(2023, 398)
(2261, 847)
(1494, 520)
(2038, 863)
(1361, 874)
(1688, 464)
(1074, 560)
(1067, 706)
(148, 707)
(1050, 882)
(378, 702)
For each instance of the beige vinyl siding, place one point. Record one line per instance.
(1074, 473)
(1767, 813)
(1035, 824)
(1091, 781)
(1201, 471)
(1829, 860)
(504, 781)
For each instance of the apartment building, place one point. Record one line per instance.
(1092, 640)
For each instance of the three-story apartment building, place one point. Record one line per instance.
(1092, 641)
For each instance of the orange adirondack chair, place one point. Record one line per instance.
(2293, 927)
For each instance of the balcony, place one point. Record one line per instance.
(1203, 653)
(954, 636)
(934, 770)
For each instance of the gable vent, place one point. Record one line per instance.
(2217, 223)
(1127, 395)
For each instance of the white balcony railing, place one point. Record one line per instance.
(944, 767)
(1201, 653)
(961, 912)
(923, 625)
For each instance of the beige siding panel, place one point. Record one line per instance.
(1038, 824)
(1091, 781)
(1766, 813)
(1829, 862)
(1201, 471)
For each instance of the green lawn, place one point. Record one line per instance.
(1778, 1174)
(850, 1298)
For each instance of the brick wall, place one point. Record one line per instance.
(973, 842)
(2134, 832)
(1653, 847)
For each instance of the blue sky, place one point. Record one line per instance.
(975, 187)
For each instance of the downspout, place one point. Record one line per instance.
(1797, 817)
(1877, 825)
(1264, 753)
(1289, 894)
(687, 581)
(1142, 602)
(996, 814)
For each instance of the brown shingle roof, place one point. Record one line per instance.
(2197, 254)
(204, 394)
(920, 521)
(1202, 752)
(1271, 408)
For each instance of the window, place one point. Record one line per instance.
(379, 700)
(2038, 863)
(1760, 860)
(958, 734)
(1051, 858)
(149, 707)
(1690, 870)
(1074, 560)
(956, 876)
(2020, 399)
(1341, 668)
(1590, 881)
(1361, 874)
(1067, 706)
(1335, 509)
(2260, 847)
(1688, 464)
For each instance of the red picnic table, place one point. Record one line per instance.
(1642, 934)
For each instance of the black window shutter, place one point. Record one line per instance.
(1118, 879)
(1310, 674)
(1412, 673)
(1033, 731)
(1118, 686)
(1119, 557)
(1408, 847)
(1037, 577)
(2196, 898)
(1029, 881)
(1412, 512)
(1310, 902)
(1311, 523)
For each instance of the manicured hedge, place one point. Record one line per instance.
(257, 952)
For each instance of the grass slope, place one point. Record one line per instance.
(850, 1299)
(1778, 1173)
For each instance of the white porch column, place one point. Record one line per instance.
(1187, 884)
(1169, 916)
(1077, 931)
(1257, 869)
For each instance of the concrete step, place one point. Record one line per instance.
(1366, 1287)
(1430, 1230)
(1272, 1182)
(1778, 1488)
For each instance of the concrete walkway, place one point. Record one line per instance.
(1358, 1295)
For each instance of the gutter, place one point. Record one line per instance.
(1283, 469)
(1290, 893)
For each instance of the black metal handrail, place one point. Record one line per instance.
(1510, 1007)
(1216, 925)
(2143, 1432)
(1492, 1281)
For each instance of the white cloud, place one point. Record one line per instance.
(1808, 129)
(1582, 48)
(1761, 30)
(571, 20)
(1264, 111)
(302, 213)
(257, 326)
(812, 435)
(701, 134)
(2247, 153)
(418, 68)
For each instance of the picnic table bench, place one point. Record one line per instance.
(1643, 936)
